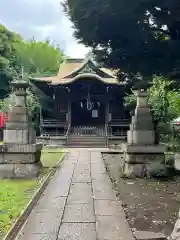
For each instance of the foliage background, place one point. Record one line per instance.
(38, 58)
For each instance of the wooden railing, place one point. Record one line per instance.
(120, 121)
(120, 133)
(87, 130)
(52, 123)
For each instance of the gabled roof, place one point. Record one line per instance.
(73, 69)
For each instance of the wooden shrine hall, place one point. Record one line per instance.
(86, 101)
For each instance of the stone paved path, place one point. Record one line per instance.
(78, 204)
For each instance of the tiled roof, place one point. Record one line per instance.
(70, 66)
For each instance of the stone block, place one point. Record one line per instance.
(143, 158)
(19, 170)
(13, 158)
(19, 136)
(138, 165)
(145, 235)
(6, 171)
(134, 170)
(26, 170)
(140, 137)
(140, 149)
(144, 149)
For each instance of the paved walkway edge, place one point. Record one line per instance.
(14, 231)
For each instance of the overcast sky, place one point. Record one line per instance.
(41, 19)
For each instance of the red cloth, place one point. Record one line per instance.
(3, 119)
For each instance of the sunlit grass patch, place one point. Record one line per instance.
(15, 194)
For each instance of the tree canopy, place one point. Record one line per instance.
(38, 57)
(137, 37)
(7, 52)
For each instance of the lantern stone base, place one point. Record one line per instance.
(20, 160)
(138, 159)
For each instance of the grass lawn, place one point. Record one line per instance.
(15, 194)
(50, 157)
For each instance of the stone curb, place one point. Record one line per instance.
(13, 232)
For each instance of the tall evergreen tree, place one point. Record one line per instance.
(137, 37)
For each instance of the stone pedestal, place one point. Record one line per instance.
(19, 155)
(140, 149)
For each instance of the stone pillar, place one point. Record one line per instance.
(141, 128)
(19, 126)
(141, 149)
(19, 155)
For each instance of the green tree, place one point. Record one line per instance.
(7, 54)
(139, 37)
(163, 98)
(38, 58)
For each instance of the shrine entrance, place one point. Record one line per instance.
(84, 113)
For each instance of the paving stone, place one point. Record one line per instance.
(101, 177)
(77, 231)
(77, 221)
(83, 166)
(108, 208)
(43, 222)
(80, 193)
(38, 237)
(98, 168)
(50, 204)
(58, 190)
(79, 213)
(66, 172)
(112, 228)
(102, 190)
(81, 176)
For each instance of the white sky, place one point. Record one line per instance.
(41, 19)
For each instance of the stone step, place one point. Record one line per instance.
(86, 141)
(86, 146)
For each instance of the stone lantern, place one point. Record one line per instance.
(19, 155)
(19, 126)
(140, 149)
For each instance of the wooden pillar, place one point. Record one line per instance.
(69, 109)
(107, 106)
(107, 112)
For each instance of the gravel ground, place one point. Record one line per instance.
(150, 205)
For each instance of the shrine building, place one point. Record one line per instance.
(85, 101)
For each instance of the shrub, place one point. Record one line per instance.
(158, 170)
